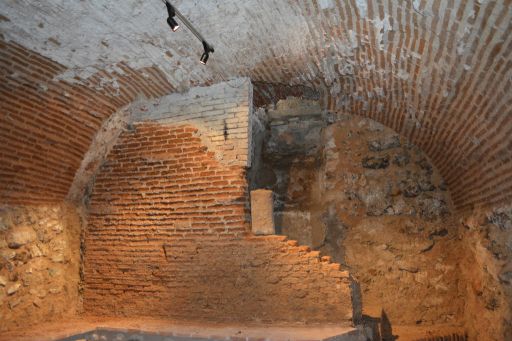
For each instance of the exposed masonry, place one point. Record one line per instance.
(167, 237)
(39, 265)
(437, 72)
(47, 126)
(221, 112)
(101, 145)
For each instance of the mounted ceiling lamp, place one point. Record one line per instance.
(206, 53)
(170, 20)
(172, 11)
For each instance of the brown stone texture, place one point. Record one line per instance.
(47, 125)
(167, 236)
(262, 212)
(39, 264)
(358, 192)
(487, 272)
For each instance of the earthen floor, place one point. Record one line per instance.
(70, 327)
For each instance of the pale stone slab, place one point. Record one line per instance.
(262, 212)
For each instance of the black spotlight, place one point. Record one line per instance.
(170, 20)
(172, 11)
(173, 23)
(206, 53)
(204, 57)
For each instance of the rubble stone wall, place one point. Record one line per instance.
(39, 264)
(487, 270)
(360, 193)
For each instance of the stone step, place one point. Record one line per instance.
(386, 332)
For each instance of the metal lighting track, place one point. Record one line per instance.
(207, 47)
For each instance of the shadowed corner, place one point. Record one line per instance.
(385, 328)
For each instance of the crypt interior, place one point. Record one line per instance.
(256, 170)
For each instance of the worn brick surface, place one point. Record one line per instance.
(220, 111)
(167, 236)
(437, 72)
(46, 125)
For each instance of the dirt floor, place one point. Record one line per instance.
(70, 327)
(63, 329)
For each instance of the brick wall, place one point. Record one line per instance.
(46, 126)
(167, 237)
(221, 111)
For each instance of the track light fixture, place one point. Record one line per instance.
(204, 58)
(206, 53)
(174, 25)
(170, 20)
(172, 11)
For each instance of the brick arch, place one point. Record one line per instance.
(47, 125)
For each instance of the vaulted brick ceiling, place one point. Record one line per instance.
(437, 71)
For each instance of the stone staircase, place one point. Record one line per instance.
(453, 337)
(366, 328)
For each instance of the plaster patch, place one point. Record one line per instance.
(461, 47)
(362, 7)
(416, 4)
(382, 26)
(354, 41)
(402, 74)
(326, 4)
(415, 55)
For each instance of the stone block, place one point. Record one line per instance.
(20, 236)
(262, 212)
